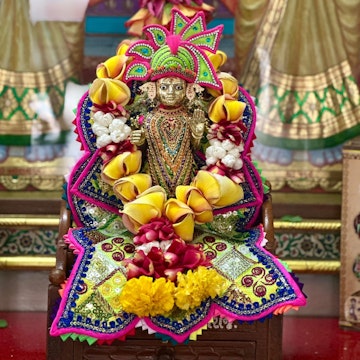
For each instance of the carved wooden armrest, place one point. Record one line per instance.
(268, 222)
(58, 274)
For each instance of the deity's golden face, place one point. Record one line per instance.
(171, 91)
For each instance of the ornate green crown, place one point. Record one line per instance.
(179, 52)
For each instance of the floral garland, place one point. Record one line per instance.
(167, 271)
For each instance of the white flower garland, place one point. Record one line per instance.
(109, 129)
(226, 152)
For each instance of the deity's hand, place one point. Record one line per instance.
(137, 137)
(198, 123)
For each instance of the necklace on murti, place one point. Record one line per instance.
(170, 157)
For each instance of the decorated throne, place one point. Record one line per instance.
(165, 240)
(258, 340)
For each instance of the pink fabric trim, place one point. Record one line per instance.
(121, 335)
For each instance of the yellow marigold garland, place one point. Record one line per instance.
(196, 286)
(145, 296)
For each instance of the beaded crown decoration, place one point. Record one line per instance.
(179, 52)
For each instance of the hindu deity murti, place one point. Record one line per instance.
(170, 134)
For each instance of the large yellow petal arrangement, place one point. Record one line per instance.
(164, 228)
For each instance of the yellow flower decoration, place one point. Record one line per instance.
(218, 59)
(193, 197)
(123, 46)
(144, 297)
(113, 68)
(225, 107)
(218, 190)
(140, 19)
(129, 187)
(147, 206)
(105, 90)
(196, 286)
(229, 86)
(124, 164)
(182, 218)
